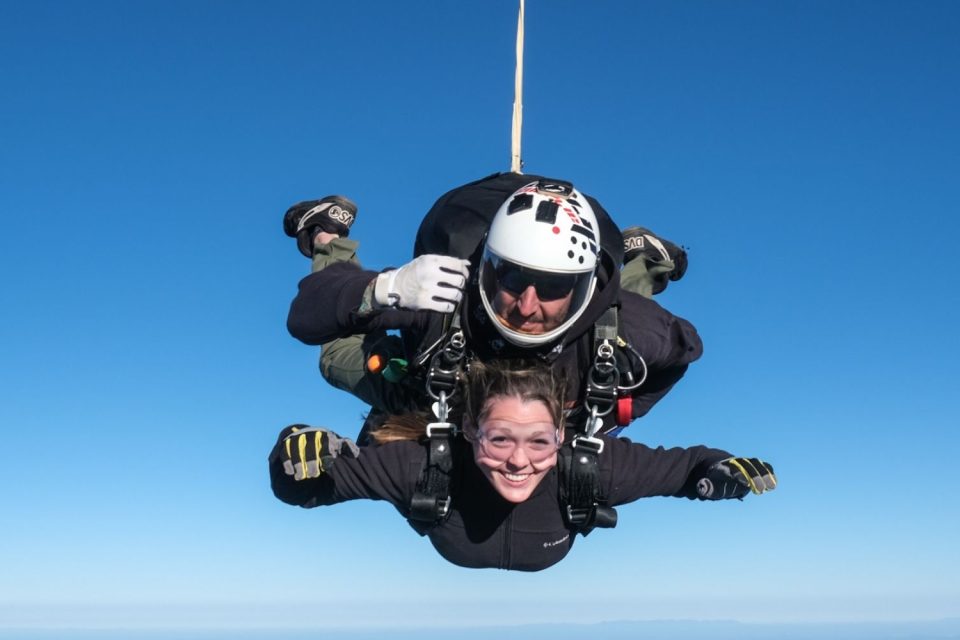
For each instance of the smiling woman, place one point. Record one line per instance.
(513, 420)
(506, 495)
(515, 446)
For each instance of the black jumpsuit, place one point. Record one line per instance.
(484, 530)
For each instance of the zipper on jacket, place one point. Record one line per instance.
(506, 561)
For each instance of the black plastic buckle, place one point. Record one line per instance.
(589, 518)
(604, 517)
(428, 509)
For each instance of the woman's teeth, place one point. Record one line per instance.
(516, 477)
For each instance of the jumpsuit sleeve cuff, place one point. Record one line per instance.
(367, 303)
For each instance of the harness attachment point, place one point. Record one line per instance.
(441, 430)
(582, 502)
(430, 504)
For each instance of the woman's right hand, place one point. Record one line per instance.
(309, 452)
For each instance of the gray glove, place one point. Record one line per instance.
(309, 452)
(431, 282)
(735, 477)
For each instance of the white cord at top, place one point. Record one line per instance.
(515, 163)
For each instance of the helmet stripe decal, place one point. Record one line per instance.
(584, 231)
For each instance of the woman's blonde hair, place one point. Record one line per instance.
(524, 379)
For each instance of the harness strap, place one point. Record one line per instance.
(618, 369)
(603, 377)
(451, 325)
(446, 365)
(430, 504)
(584, 506)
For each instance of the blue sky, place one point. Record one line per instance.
(806, 152)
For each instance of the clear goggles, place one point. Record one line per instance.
(499, 444)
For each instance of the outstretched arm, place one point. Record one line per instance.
(312, 466)
(302, 463)
(632, 471)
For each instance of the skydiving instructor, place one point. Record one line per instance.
(531, 262)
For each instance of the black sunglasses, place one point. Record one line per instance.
(549, 286)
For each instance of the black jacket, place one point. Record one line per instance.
(484, 530)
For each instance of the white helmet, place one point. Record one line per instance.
(546, 236)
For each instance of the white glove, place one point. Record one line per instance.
(431, 282)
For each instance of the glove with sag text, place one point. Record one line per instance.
(309, 452)
(735, 477)
(431, 282)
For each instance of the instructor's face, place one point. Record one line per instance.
(527, 313)
(515, 445)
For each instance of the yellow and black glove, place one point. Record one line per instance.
(735, 477)
(309, 452)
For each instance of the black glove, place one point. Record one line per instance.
(309, 452)
(679, 257)
(304, 220)
(735, 477)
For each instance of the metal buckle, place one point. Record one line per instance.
(578, 516)
(445, 367)
(588, 442)
(603, 378)
(441, 428)
(443, 507)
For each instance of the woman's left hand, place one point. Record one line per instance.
(734, 477)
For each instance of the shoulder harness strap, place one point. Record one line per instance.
(603, 377)
(584, 506)
(445, 371)
(617, 370)
(450, 326)
(581, 494)
(430, 504)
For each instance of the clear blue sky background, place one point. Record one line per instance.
(806, 152)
